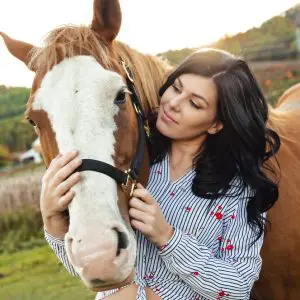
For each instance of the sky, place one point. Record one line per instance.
(150, 26)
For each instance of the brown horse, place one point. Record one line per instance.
(61, 127)
(280, 277)
(79, 101)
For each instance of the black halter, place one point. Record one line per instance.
(127, 178)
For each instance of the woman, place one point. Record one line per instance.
(200, 222)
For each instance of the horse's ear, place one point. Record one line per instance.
(107, 19)
(17, 48)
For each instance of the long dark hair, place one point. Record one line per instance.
(242, 147)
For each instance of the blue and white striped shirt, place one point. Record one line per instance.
(209, 255)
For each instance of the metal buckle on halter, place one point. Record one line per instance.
(126, 188)
(127, 71)
(137, 110)
(147, 128)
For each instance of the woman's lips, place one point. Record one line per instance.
(167, 117)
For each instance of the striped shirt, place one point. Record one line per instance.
(209, 255)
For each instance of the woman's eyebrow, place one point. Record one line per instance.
(194, 94)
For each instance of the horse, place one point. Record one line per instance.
(71, 110)
(81, 99)
(280, 275)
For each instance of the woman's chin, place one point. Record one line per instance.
(163, 128)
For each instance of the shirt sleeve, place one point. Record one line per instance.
(228, 274)
(58, 247)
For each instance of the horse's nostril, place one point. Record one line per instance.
(122, 240)
(97, 282)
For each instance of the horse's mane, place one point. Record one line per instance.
(69, 41)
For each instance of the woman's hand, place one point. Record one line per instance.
(56, 193)
(147, 217)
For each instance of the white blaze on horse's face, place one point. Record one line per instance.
(78, 96)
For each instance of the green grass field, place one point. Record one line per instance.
(37, 275)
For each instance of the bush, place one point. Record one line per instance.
(20, 230)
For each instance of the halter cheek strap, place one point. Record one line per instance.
(128, 178)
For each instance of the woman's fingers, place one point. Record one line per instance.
(138, 215)
(66, 199)
(138, 204)
(66, 185)
(58, 163)
(66, 171)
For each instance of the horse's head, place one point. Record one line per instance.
(79, 101)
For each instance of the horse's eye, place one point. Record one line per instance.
(30, 121)
(121, 97)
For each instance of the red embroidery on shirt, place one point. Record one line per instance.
(220, 207)
(222, 249)
(228, 241)
(232, 217)
(151, 275)
(195, 273)
(145, 277)
(212, 213)
(188, 209)
(229, 247)
(172, 194)
(220, 238)
(219, 216)
(158, 172)
(222, 294)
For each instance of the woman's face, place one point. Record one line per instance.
(188, 108)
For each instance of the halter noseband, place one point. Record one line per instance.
(127, 178)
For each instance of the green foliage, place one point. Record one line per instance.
(4, 155)
(20, 230)
(176, 56)
(15, 133)
(12, 101)
(273, 94)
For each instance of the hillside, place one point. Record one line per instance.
(275, 39)
(15, 133)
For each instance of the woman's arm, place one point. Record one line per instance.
(227, 274)
(58, 247)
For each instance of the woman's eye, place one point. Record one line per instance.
(194, 104)
(176, 89)
(121, 97)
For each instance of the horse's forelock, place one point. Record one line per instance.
(69, 41)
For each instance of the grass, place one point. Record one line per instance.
(37, 275)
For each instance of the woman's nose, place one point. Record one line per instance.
(176, 101)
